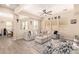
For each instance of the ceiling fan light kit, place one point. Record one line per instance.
(48, 18)
(56, 17)
(47, 13)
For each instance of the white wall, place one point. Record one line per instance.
(65, 27)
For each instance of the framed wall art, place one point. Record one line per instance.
(73, 21)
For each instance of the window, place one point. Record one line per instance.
(25, 25)
(35, 24)
(9, 26)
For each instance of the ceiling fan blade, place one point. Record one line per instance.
(44, 11)
(42, 14)
(49, 12)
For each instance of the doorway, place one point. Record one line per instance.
(6, 28)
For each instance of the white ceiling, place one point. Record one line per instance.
(10, 6)
(36, 9)
(55, 8)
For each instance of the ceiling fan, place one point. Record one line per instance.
(45, 12)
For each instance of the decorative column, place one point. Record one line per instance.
(57, 24)
(39, 26)
(16, 27)
(51, 26)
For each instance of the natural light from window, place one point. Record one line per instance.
(6, 14)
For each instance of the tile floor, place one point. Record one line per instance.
(8, 45)
(21, 46)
